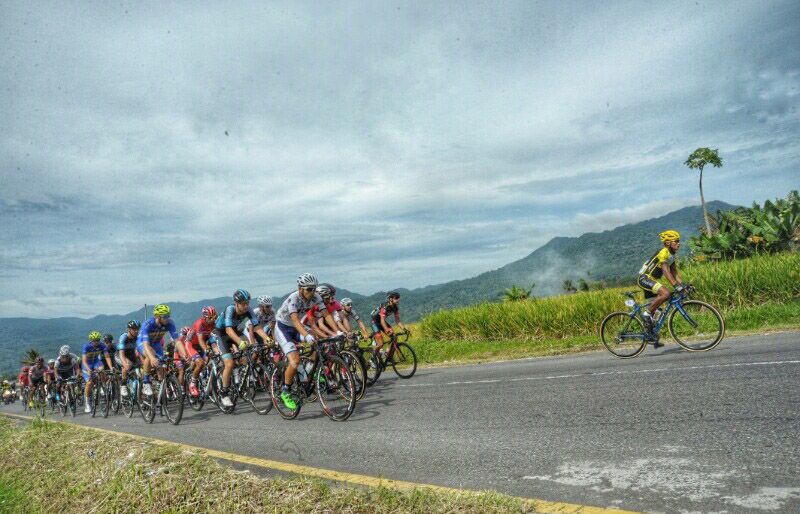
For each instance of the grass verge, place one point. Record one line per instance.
(739, 321)
(45, 464)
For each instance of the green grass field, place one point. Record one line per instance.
(760, 293)
(74, 469)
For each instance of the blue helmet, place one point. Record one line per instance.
(241, 295)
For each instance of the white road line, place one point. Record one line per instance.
(601, 373)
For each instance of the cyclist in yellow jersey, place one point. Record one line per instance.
(663, 263)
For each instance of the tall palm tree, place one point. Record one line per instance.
(30, 356)
(516, 293)
(698, 160)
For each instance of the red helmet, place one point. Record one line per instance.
(184, 331)
(209, 311)
(25, 369)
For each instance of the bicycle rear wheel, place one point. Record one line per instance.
(696, 326)
(127, 401)
(623, 334)
(172, 399)
(335, 389)
(404, 360)
(105, 398)
(373, 368)
(147, 403)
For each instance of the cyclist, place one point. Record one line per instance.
(126, 357)
(66, 367)
(348, 312)
(289, 328)
(380, 325)
(266, 316)
(314, 319)
(94, 353)
(7, 392)
(196, 344)
(49, 377)
(229, 332)
(22, 383)
(150, 343)
(37, 376)
(663, 263)
(179, 353)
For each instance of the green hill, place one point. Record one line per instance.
(611, 255)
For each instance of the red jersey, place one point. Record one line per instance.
(23, 379)
(200, 327)
(313, 312)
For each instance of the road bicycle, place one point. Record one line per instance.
(130, 401)
(397, 353)
(326, 379)
(100, 393)
(67, 398)
(168, 394)
(695, 325)
(249, 381)
(39, 399)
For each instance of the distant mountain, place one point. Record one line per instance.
(611, 255)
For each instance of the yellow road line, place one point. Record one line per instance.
(544, 506)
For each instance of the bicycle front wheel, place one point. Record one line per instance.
(623, 334)
(258, 389)
(696, 326)
(172, 399)
(276, 389)
(356, 368)
(335, 389)
(404, 360)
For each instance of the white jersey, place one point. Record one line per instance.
(294, 303)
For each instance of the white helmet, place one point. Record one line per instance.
(264, 300)
(324, 291)
(51, 361)
(63, 351)
(307, 280)
(345, 302)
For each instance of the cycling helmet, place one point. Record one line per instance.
(208, 311)
(64, 351)
(185, 330)
(241, 295)
(345, 302)
(392, 294)
(134, 324)
(94, 335)
(330, 286)
(324, 291)
(39, 359)
(307, 280)
(265, 300)
(51, 361)
(25, 369)
(161, 310)
(669, 235)
(108, 338)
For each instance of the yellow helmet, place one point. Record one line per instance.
(161, 310)
(669, 235)
(94, 335)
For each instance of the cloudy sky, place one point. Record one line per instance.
(153, 152)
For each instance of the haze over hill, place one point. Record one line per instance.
(609, 255)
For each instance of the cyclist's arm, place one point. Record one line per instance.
(297, 325)
(331, 322)
(108, 359)
(202, 340)
(363, 329)
(232, 333)
(385, 326)
(84, 361)
(345, 323)
(181, 345)
(674, 269)
(667, 269)
(260, 331)
(397, 319)
(124, 360)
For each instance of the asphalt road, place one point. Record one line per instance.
(668, 431)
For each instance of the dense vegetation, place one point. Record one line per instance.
(743, 232)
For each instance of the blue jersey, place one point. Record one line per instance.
(94, 353)
(127, 345)
(230, 319)
(152, 333)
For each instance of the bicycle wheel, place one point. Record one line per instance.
(696, 326)
(105, 397)
(623, 334)
(127, 401)
(258, 389)
(172, 399)
(147, 403)
(335, 389)
(94, 397)
(196, 403)
(373, 368)
(353, 362)
(404, 358)
(276, 388)
(115, 396)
